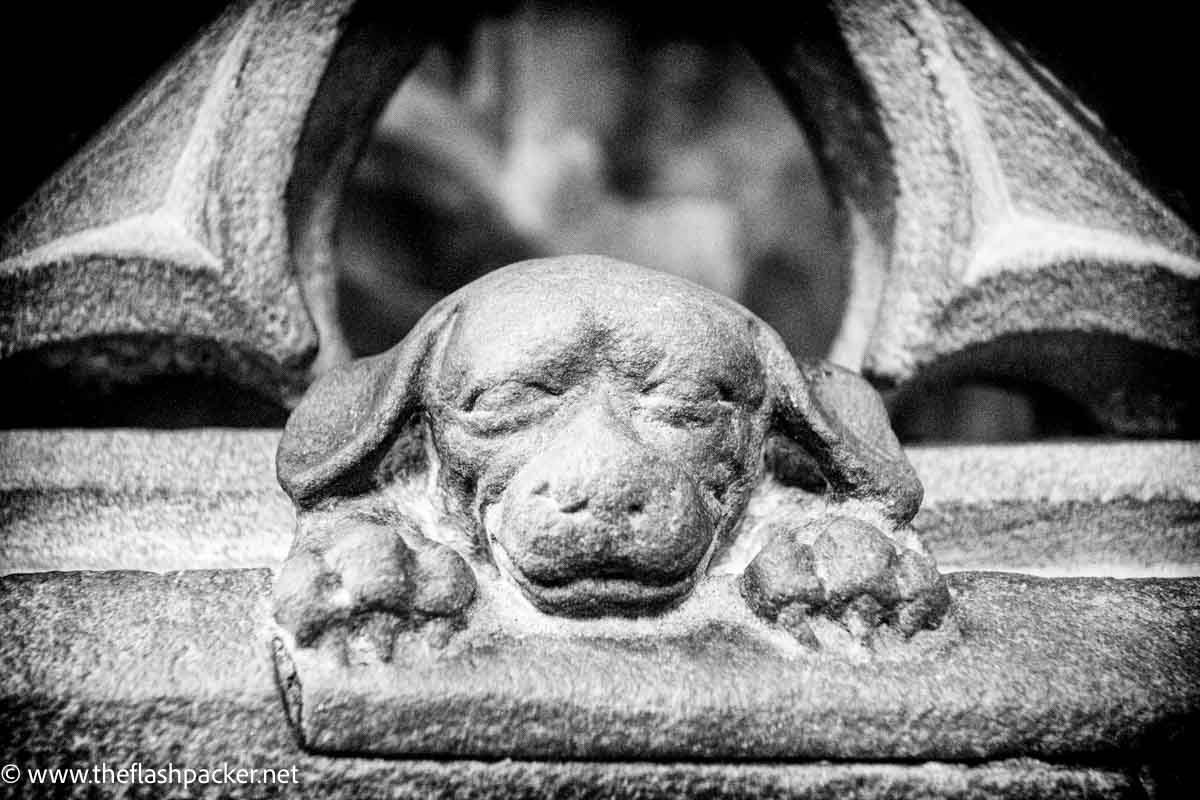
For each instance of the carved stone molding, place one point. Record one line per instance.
(164, 501)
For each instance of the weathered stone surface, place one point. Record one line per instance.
(998, 234)
(189, 225)
(164, 501)
(87, 675)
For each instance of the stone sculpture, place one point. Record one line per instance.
(593, 433)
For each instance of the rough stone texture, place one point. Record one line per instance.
(86, 674)
(183, 224)
(998, 234)
(209, 499)
(593, 432)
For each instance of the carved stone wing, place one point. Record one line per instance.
(201, 217)
(997, 232)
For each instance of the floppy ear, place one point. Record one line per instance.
(352, 414)
(840, 420)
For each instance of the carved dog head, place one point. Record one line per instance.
(597, 425)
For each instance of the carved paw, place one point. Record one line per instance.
(368, 578)
(849, 572)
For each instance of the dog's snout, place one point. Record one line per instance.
(600, 509)
(595, 465)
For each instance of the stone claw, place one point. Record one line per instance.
(847, 571)
(369, 582)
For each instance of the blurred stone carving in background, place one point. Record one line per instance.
(565, 130)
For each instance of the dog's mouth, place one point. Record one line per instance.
(591, 597)
(598, 595)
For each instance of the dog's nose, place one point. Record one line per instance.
(598, 465)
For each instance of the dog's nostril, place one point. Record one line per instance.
(573, 505)
(542, 488)
(636, 507)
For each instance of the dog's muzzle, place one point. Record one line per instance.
(600, 523)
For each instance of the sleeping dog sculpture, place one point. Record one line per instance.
(594, 433)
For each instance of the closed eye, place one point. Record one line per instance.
(509, 396)
(686, 403)
(689, 391)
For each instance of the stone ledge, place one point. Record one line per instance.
(208, 500)
(150, 500)
(123, 667)
(1049, 668)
